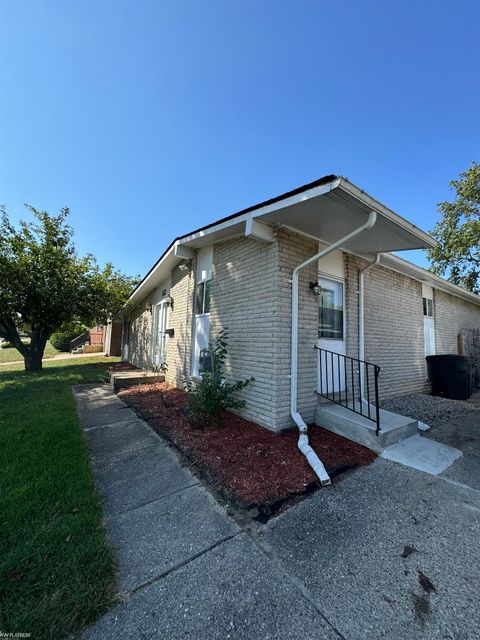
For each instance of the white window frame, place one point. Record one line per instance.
(327, 276)
(427, 300)
(204, 282)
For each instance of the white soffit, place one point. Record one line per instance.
(337, 213)
(327, 212)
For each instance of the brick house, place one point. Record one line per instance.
(242, 272)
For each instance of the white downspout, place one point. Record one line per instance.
(303, 445)
(361, 315)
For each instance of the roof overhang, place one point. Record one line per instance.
(327, 210)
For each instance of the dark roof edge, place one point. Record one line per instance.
(283, 196)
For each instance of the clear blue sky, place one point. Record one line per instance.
(149, 119)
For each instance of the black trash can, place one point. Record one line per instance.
(451, 375)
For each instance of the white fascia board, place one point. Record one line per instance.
(394, 263)
(371, 203)
(262, 211)
(178, 248)
(259, 231)
(150, 281)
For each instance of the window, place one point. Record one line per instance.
(330, 310)
(428, 307)
(206, 297)
(202, 297)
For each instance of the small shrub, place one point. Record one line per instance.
(61, 339)
(9, 345)
(158, 369)
(213, 395)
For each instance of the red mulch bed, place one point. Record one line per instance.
(245, 462)
(116, 366)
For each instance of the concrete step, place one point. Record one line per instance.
(77, 350)
(350, 425)
(124, 379)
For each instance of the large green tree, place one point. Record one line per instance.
(44, 283)
(457, 255)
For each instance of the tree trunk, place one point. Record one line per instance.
(32, 353)
(33, 356)
(33, 361)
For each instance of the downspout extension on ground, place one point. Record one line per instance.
(303, 444)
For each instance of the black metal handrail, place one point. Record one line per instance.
(80, 340)
(346, 381)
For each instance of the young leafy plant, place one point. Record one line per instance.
(212, 395)
(159, 370)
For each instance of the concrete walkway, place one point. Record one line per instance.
(464, 434)
(186, 569)
(385, 552)
(59, 356)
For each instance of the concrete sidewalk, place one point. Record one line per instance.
(186, 568)
(385, 552)
(59, 356)
(464, 434)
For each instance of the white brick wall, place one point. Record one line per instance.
(251, 295)
(393, 327)
(452, 315)
(293, 249)
(243, 299)
(178, 348)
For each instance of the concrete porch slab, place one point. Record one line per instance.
(124, 379)
(422, 454)
(357, 428)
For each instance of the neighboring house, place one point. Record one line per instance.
(104, 337)
(109, 337)
(97, 335)
(239, 273)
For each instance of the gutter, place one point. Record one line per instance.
(303, 445)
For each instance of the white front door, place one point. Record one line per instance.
(201, 324)
(331, 334)
(428, 320)
(202, 336)
(159, 341)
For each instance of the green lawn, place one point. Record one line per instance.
(57, 569)
(11, 354)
